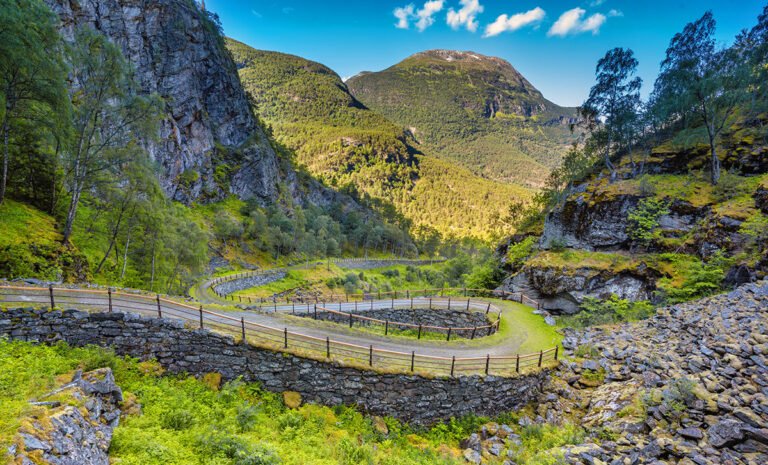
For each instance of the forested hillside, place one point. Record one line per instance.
(359, 151)
(662, 201)
(103, 135)
(474, 110)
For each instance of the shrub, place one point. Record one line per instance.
(177, 420)
(644, 220)
(613, 310)
(518, 253)
(703, 279)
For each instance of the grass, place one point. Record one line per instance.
(22, 224)
(188, 421)
(30, 244)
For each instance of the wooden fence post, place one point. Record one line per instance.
(449, 334)
(109, 294)
(419, 337)
(285, 333)
(453, 365)
(350, 319)
(517, 364)
(468, 304)
(159, 311)
(201, 317)
(327, 347)
(449, 302)
(487, 363)
(386, 328)
(315, 311)
(242, 327)
(50, 291)
(541, 357)
(370, 356)
(557, 349)
(413, 359)
(430, 303)
(474, 330)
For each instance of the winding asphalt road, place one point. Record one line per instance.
(279, 318)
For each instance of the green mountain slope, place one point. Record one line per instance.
(358, 150)
(473, 109)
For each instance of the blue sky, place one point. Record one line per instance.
(554, 43)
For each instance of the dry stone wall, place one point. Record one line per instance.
(411, 398)
(423, 316)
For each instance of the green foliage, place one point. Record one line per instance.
(675, 396)
(540, 443)
(699, 82)
(485, 276)
(519, 252)
(32, 93)
(703, 279)
(616, 98)
(183, 421)
(613, 310)
(643, 220)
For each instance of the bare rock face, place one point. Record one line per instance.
(177, 52)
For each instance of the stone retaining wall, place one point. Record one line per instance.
(241, 284)
(416, 316)
(410, 398)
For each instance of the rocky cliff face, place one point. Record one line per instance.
(178, 53)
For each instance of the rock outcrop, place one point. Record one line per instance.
(72, 425)
(208, 129)
(562, 291)
(688, 386)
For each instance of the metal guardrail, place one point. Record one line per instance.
(273, 338)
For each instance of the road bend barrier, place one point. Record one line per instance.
(272, 337)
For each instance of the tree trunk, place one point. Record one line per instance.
(71, 212)
(4, 181)
(152, 277)
(715, 161)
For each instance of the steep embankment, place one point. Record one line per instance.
(703, 237)
(472, 109)
(208, 129)
(686, 386)
(358, 150)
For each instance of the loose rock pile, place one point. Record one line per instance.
(688, 386)
(72, 425)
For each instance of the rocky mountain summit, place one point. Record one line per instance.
(178, 53)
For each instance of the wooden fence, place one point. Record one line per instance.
(275, 338)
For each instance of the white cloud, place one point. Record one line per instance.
(403, 15)
(593, 23)
(425, 14)
(423, 17)
(615, 13)
(596, 2)
(573, 22)
(256, 14)
(512, 23)
(466, 16)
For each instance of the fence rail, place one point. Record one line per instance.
(378, 295)
(274, 338)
